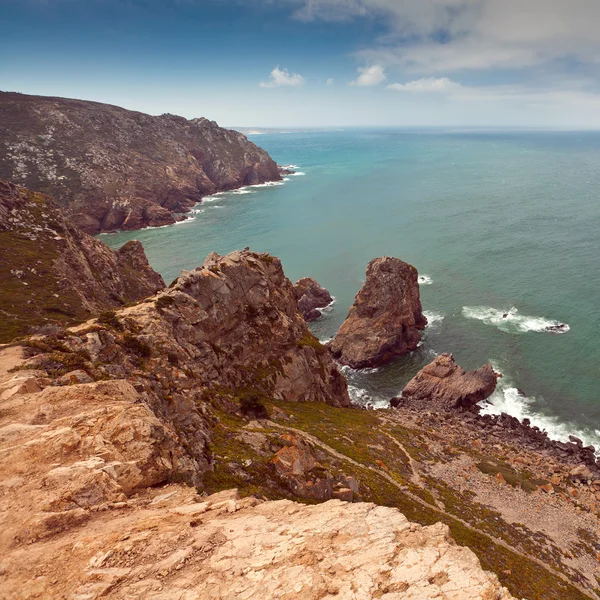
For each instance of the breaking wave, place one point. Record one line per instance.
(425, 280)
(433, 317)
(511, 321)
(509, 399)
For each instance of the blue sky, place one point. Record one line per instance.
(304, 63)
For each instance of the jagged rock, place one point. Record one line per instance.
(311, 296)
(443, 383)
(385, 319)
(228, 334)
(52, 272)
(113, 168)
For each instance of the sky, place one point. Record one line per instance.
(315, 63)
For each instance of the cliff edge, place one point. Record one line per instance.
(51, 272)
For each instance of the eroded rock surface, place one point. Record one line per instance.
(112, 168)
(311, 296)
(385, 319)
(52, 272)
(445, 384)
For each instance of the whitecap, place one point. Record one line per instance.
(296, 174)
(512, 322)
(289, 167)
(186, 220)
(266, 184)
(326, 340)
(329, 307)
(346, 370)
(242, 191)
(425, 280)
(433, 317)
(509, 399)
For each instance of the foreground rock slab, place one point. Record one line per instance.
(227, 548)
(444, 384)
(311, 297)
(385, 319)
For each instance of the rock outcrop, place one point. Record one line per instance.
(52, 272)
(385, 319)
(444, 384)
(227, 334)
(311, 296)
(113, 168)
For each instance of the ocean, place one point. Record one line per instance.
(496, 222)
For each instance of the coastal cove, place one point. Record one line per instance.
(495, 220)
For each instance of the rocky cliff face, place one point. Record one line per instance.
(52, 272)
(385, 319)
(113, 168)
(443, 384)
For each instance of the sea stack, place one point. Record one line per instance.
(385, 319)
(444, 384)
(311, 297)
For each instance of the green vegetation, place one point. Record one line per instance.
(109, 318)
(308, 340)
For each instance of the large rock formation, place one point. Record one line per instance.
(385, 319)
(443, 383)
(226, 334)
(52, 272)
(114, 168)
(311, 296)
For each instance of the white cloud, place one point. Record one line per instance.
(440, 85)
(282, 77)
(372, 75)
(329, 81)
(432, 36)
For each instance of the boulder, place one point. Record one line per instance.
(385, 319)
(310, 297)
(444, 384)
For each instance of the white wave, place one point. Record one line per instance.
(266, 184)
(289, 167)
(425, 280)
(326, 340)
(296, 174)
(186, 220)
(329, 307)
(509, 399)
(362, 397)
(346, 370)
(208, 199)
(433, 317)
(511, 321)
(242, 191)
(197, 211)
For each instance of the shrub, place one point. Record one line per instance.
(109, 318)
(137, 345)
(251, 405)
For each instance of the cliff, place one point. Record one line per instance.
(51, 272)
(121, 440)
(112, 168)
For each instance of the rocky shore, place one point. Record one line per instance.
(112, 168)
(160, 450)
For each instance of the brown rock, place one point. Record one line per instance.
(52, 273)
(345, 494)
(444, 383)
(112, 168)
(385, 319)
(311, 296)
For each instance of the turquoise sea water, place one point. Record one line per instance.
(495, 219)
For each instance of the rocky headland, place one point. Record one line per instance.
(112, 168)
(386, 318)
(165, 450)
(51, 272)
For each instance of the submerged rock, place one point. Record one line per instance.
(385, 319)
(445, 384)
(311, 296)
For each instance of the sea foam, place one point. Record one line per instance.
(433, 317)
(425, 280)
(511, 321)
(508, 399)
